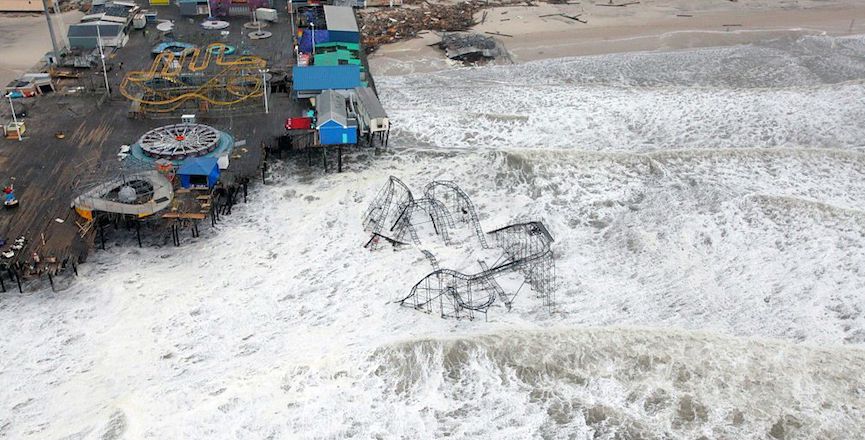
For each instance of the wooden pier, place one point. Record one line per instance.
(74, 136)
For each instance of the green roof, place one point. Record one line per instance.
(339, 45)
(337, 58)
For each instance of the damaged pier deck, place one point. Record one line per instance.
(75, 134)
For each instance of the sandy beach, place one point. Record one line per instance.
(24, 40)
(546, 31)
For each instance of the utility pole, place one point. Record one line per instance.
(102, 57)
(264, 82)
(56, 52)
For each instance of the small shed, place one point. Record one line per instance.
(199, 172)
(86, 36)
(309, 81)
(333, 124)
(192, 7)
(341, 24)
(31, 84)
(370, 111)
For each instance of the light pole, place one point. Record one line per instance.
(14, 118)
(313, 38)
(56, 52)
(102, 57)
(264, 83)
(293, 28)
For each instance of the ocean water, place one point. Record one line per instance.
(707, 207)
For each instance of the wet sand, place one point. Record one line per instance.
(24, 40)
(538, 32)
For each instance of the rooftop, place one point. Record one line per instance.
(330, 106)
(340, 18)
(312, 78)
(371, 104)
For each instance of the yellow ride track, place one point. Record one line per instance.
(236, 81)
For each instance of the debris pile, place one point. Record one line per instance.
(385, 26)
(471, 47)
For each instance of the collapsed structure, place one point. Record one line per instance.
(395, 216)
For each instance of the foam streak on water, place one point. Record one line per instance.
(703, 291)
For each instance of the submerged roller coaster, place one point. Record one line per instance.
(395, 217)
(198, 80)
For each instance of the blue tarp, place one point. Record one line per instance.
(316, 78)
(305, 44)
(199, 166)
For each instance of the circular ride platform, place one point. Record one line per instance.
(179, 141)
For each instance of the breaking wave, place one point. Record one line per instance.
(623, 384)
(806, 92)
(696, 211)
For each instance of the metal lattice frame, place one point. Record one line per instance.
(457, 202)
(526, 249)
(420, 212)
(386, 207)
(179, 141)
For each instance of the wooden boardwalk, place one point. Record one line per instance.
(48, 172)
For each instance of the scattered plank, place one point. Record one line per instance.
(499, 34)
(575, 18)
(684, 15)
(572, 17)
(621, 5)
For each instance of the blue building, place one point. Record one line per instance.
(199, 172)
(309, 81)
(333, 124)
(341, 24)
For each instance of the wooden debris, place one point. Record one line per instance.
(621, 5)
(574, 17)
(384, 26)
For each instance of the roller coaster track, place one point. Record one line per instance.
(458, 287)
(526, 248)
(238, 79)
(462, 205)
(434, 209)
(383, 207)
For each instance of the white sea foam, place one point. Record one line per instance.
(701, 291)
(776, 95)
